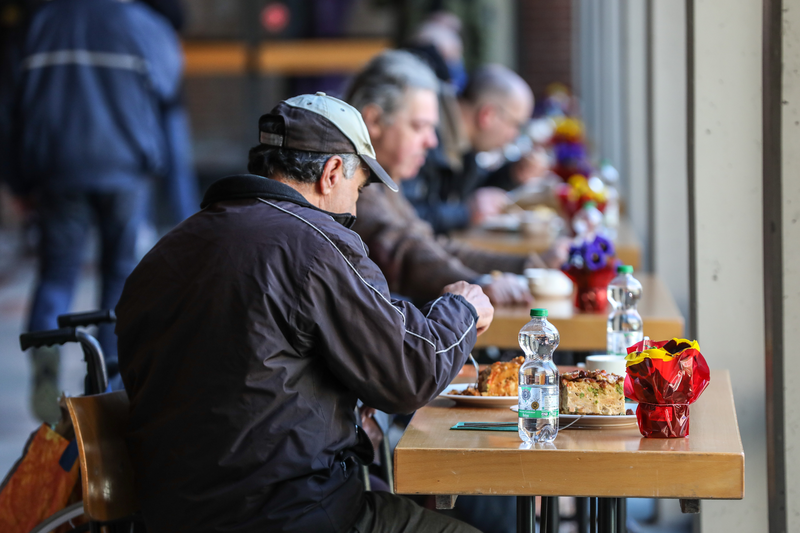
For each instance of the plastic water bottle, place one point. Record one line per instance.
(538, 380)
(587, 221)
(624, 323)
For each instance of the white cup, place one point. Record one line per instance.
(614, 364)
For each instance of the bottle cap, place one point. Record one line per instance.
(625, 269)
(589, 204)
(535, 313)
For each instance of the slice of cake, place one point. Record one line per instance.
(501, 378)
(589, 392)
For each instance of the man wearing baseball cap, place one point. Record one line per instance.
(249, 332)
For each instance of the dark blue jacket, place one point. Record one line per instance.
(96, 83)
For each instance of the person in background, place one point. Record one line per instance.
(93, 90)
(249, 331)
(452, 194)
(396, 94)
(438, 43)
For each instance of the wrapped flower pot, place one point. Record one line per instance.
(665, 378)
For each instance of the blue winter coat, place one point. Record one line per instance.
(95, 82)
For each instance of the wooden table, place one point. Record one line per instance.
(292, 57)
(587, 331)
(629, 248)
(607, 463)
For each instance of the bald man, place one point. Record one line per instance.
(494, 106)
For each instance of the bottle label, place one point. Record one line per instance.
(538, 402)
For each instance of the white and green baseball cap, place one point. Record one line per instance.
(321, 123)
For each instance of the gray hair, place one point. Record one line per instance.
(493, 82)
(385, 80)
(295, 165)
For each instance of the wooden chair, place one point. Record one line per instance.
(100, 423)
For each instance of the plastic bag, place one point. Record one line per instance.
(40, 483)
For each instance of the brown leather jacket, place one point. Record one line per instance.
(416, 263)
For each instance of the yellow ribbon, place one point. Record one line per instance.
(659, 353)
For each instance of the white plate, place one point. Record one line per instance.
(597, 421)
(503, 222)
(477, 401)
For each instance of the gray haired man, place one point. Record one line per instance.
(396, 94)
(249, 332)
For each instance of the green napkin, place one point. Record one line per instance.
(488, 427)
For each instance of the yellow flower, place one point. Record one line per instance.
(570, 129)
(579, 181)
(660, 353)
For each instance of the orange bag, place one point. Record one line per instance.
(40, 483)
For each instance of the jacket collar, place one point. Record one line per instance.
(245, 186)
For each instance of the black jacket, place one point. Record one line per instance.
(439, 193)
(245, 338)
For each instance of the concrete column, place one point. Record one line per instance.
(636, 113)
(790, 207)
(670, 209)
(726, 182)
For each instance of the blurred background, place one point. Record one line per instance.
(674, 95)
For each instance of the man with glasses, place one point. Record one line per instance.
(495, 105)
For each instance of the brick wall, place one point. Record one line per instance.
(545, 43)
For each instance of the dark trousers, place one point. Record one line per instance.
(389, 513)
(65, 219)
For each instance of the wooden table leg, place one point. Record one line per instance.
(526, 514)
(592, 515)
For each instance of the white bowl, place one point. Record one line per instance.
(610, 363)
(548, 283)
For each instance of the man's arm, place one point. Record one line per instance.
(484, 261)
(414, 264)
(394, 356)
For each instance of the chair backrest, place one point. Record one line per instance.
(100, 423)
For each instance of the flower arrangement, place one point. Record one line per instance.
(569, 148)
(665, 377)
(557, 102)
(578, 190)
(591, 266)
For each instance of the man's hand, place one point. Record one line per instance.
(506, 289)
(557, 254)
(486, 202)
(531, 167)
(371, 427)
(475, 296)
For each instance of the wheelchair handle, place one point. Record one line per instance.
(97, 374)
(37, 339)
(91, 318)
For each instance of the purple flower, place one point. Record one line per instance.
(594, 257)
(575, 257)
(569, 152)
(606, 245)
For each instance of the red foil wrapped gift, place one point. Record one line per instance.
(665, 378)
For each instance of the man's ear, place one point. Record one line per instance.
(485, 115)
(372, 114)
(332, 174)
